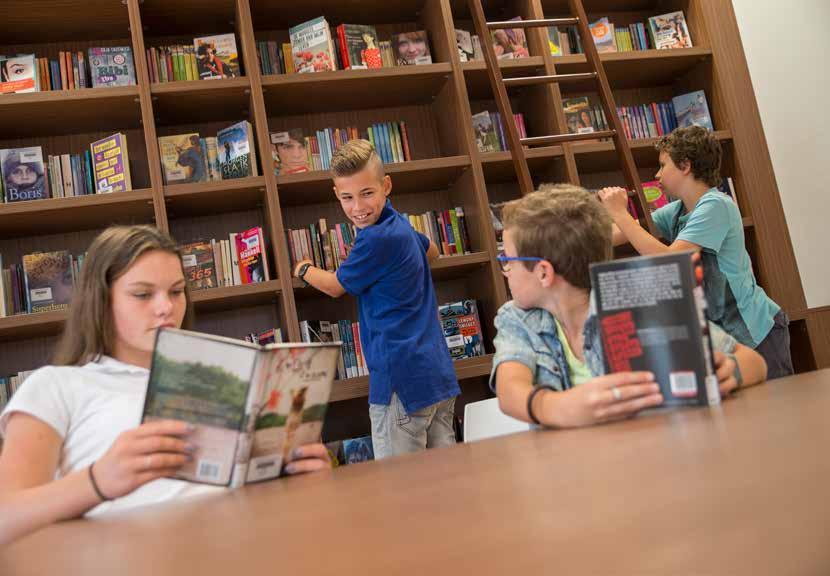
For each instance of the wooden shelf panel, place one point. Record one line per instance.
(359, 387)
(555, 8)
(62, 112)
(478, 83)
(187, 17)
(204, 198)
(230, 297)
(67, 20)
(202, 101)
(601, 156)
(637, 69)
(267, 17)
(498, 166)
(445, 268)
(353, 89)
(25, 326)
(77, 213)
(407, 177)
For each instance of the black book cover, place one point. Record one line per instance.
(651, 317)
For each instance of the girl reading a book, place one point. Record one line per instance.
(73, 440)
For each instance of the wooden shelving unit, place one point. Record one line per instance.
(435, 100)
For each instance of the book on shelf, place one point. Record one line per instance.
(111, 164)
(351, 363)
(237, 151)
(510, 43)
(669, 31)
(577, 115)
(312, 47)
(356, 450)
(71, 174)
(447, 229)
(602, 32)
(485, 132)
(270, 57)
(326, 247)
(111, 66)
(19, 74)
(24, 175)
(250, 248)
(174, 63)
(270, 336)
(386, 54)
(651, 314)
(359, 46)
(216, 56)
(250, 405)
(9, 385)
(182, 159)
(464, 44)
(199, 267)
(411, 48)
(654, 194)
(290, 152)
(478, 52)
(462, 329)
(692, 110)
(554, 41)
(48, 279)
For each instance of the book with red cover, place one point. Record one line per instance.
(251, 251)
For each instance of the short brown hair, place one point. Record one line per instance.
(564, 224)
(89, 332)
(353, 157)
(697, 146)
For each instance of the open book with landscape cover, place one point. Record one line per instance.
(251, 404)
(651, 313)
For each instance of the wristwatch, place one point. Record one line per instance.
(302, 271)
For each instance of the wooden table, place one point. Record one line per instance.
(740, 489)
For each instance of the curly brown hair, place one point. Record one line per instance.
(697, 146)
(564, 224)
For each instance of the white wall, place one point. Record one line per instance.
(788, 51)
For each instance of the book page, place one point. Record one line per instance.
(203, 381)
(292, 405)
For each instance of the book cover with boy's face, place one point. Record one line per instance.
(204, 382)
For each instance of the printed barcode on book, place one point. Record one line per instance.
(683, 384)
(208, 470)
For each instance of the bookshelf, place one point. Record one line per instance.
(436, 101)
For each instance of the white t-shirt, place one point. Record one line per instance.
(89, 407)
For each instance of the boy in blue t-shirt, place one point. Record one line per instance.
(412, 382)
(704, 219)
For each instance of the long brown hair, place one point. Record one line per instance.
(89, 331)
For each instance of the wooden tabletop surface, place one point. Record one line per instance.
(739, 489)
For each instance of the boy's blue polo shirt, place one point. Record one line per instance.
(404, 346)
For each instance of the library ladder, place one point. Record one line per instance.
(596, 74)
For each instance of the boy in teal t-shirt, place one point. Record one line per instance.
(704, 219)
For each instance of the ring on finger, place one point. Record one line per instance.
(148, 462)
(616, 393)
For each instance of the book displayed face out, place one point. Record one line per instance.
(251, 405)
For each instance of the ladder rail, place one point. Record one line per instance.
(502, 99)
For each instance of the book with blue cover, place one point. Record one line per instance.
(237, 151)
(692, 110)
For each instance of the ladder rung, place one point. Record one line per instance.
(560, 138)
(532, 23)
(560, 78)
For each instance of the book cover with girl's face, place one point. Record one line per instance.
(18, 74)
(411, 48)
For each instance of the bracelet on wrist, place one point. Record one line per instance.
(95, 484)
(530, 398)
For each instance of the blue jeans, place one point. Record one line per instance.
(396, 432)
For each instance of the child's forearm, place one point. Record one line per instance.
(643, 242)
(324, 281)
(27, 510)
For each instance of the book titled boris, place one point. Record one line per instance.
(111, 164)
(236, 149)
(48, 277)
(251, 405)
(24, 176)
(651, 314)
(111, 66)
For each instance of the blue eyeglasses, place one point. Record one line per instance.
(504, 261)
